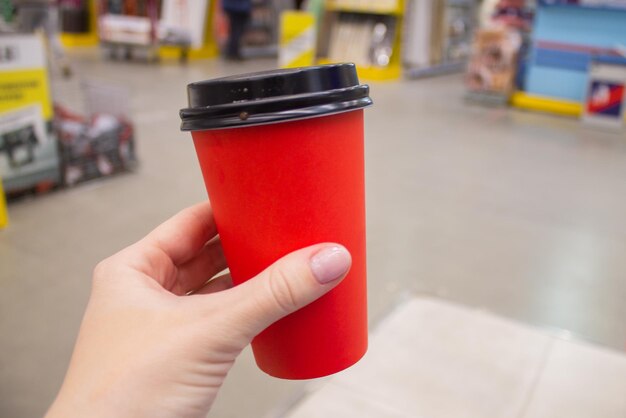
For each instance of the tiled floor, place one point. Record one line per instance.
(434, 359)
(517, 213)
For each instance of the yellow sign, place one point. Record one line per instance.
(23, 76)
(297, 39)
(4, 218)
(25, 87)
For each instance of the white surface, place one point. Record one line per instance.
(334, 400)
(21, 52)
(434, 359)
(580, 381)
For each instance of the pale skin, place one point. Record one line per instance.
(148, 348)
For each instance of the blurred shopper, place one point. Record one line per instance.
(238, 12)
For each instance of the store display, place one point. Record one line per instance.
(497, 63)
(365, 40)
(74, 16)
(364, 32)
(183, 22)
(314, 116)
(438, 36)
(605, 104)
(566, 38)
(21, 132)
(28, 150)
(260, 38)
(78, 22)
(130, 27)
(122, 29)
(512, 14)
(492, 67)
(154, 29)
(297, 39)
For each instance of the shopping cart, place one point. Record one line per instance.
(101, 142)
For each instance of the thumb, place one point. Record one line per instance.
(289, 284)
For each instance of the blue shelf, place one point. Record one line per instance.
(566, 40)
(591, 4)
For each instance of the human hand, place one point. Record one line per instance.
(148, 348)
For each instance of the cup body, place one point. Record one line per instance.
(274, 189)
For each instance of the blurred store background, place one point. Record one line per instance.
(495, 165)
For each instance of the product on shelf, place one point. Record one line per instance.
(297, 39)
(183, 22)
(513, 14)
(142, 27)
(492, 66)
(28, 150)
(261, 35)
(363, 32)
(438, 36)
(364, 39)
(74, 16)
(364, 5)
(605, 104)
(123, 29)
(129, 26)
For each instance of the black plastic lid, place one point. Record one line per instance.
(273, 96)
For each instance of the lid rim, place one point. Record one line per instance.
(278, 99)
(203, 124)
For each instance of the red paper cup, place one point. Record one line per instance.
(281, 153)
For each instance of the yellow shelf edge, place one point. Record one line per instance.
(173, 52)
(81, 40)
(73, 40)
(389, 73)
(524, 100)
(352, 9)
(4, 216)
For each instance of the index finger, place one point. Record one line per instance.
(183, 235)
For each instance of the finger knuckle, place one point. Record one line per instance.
(101, 271)
(282, 291)
(101, 268)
